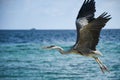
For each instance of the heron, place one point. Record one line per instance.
(88, 30)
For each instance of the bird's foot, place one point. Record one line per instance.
(104, 68)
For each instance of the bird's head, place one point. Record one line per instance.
(51, 47)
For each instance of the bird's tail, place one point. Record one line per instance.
(101, 65)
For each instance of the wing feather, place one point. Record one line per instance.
(85, 15)
(89, 34)
(87, 10)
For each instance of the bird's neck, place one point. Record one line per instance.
(62, 51)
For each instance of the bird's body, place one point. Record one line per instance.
(88, 32)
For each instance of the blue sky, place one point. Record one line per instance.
(51, 14)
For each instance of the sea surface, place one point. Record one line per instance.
(22, 56)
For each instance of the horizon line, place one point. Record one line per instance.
(54, 29)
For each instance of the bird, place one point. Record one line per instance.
(88, 30)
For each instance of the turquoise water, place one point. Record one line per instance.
(21, 56)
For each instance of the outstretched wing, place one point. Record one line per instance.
(85, 15)
(89, 34)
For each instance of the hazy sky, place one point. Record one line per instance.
(51, 14)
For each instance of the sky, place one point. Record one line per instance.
(51, 14)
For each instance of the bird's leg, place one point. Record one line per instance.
(101, 65)
(104, 66)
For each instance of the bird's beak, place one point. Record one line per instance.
(45, 47)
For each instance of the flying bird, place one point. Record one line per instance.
(88, 31)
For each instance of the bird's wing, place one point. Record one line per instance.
(85, 15)
(89, 34)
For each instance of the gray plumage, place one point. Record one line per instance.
(88, 31)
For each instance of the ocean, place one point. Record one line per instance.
(22, 56)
